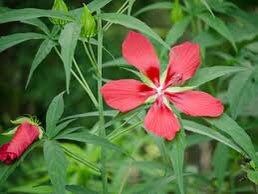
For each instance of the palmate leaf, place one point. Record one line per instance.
(56, 165)
(219, 26)
(54, 113)
(30, 13)
(206, 74)
(14, 39)
(134, 23)
(240, 137)
(68, 41)
(43, 51)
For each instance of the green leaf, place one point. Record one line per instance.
(86, 137)
(220, 163)
(93, 6)
(56, 165)
(134, 23)
(31, 189)
(212, 133)
(30, 13)
(38, 23)
(177, 31)
(54, 113)
(154, 6)
(68, 41)
(219, 26)
(240, 92)
(43, 51)
(151, 186)
(252, 176)
(230, 127)
(7, 170)
(63, 125)
(206, 74)
(14, 39)
(75, 189)
(177, 157)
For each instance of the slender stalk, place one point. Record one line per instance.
(92, 59)
(81, 81)
(122, 9)
(102, 129)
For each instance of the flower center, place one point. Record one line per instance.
(159, 90)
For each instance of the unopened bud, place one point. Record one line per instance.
(59, 5)
(176, 12)
(88, 23)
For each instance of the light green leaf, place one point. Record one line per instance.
(54, 113)
(56, 165)
(134, 23)
(212, 133)
(38, 23)
(220, 163)
(240, 92)
(177, 158)
(43, 51)
(219, 26)
(30, 13)
(252, 176)
(177, 31)
(68, 41)
(154, 6)
(210, 73)
(14, 39)
(31, 189)
(86, 137)
(75, 189)
(230, 127)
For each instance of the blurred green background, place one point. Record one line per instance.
(49, 80)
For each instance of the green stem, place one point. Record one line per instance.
(82, 161)
(122, 9)
(92, 58)
(102, 131)
(81, 80)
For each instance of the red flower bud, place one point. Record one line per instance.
(24, 136)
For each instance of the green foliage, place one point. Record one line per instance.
(124, 159)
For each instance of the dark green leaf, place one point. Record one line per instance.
(14, 39)
(86, 137)
(75, 189)
(56, 165)
(38, 23)
(177, 158)
(219, 26)
(134, 23)
(54, 113)
(43, 51)
(68, 41)
(30, 13)
(212, 133)
(230, 127)
(154, 6)
(210, 73)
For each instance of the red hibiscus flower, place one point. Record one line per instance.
(26, 133)
(127, 94)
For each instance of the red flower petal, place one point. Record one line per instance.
(184, 60)
(196, 103)
(161, 121)
(139, 52)
(126, 94)
(25, 135)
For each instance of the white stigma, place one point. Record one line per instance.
(159, 90)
